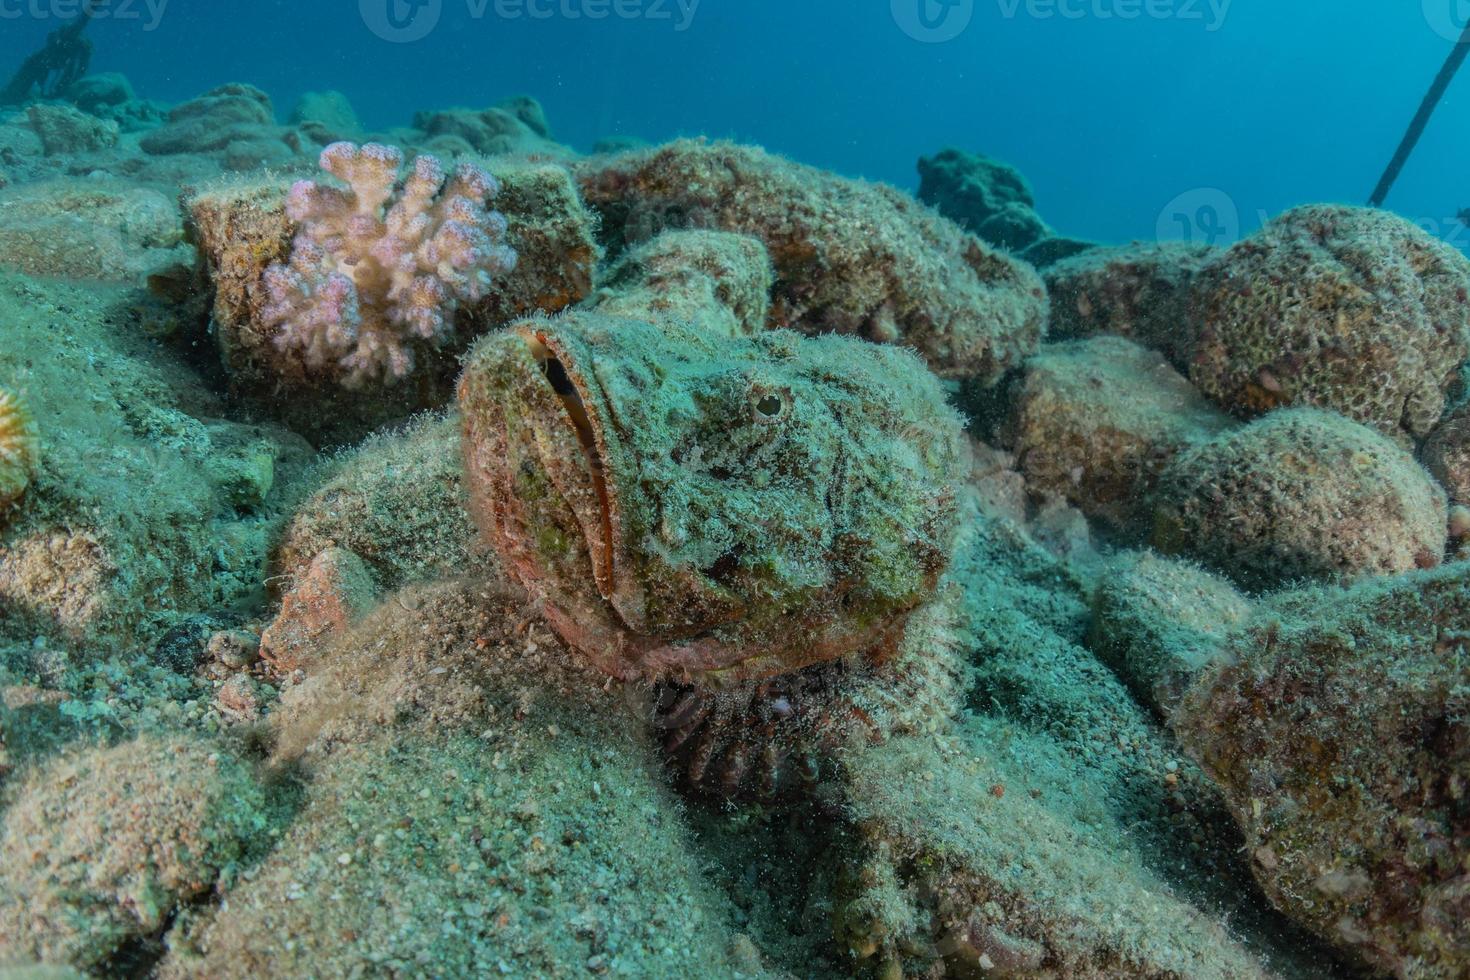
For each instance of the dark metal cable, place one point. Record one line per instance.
(1421, 119)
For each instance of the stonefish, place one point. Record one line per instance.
(758, 524)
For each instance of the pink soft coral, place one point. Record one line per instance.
(368, 274)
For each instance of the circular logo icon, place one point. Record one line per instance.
(1448, 18)
(1205, 216)
(933, 21)
(401, 21)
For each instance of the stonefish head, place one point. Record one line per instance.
(707, 508)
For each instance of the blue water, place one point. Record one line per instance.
(1123, 124)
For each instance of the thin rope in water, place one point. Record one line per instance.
(1421, 119)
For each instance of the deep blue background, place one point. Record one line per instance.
(1288, 101)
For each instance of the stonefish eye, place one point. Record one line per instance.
(770, 404)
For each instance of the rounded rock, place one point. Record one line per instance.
(1342, 308)
(101, 849)
(1336, 728)
(1447, 455)
(1301, 494)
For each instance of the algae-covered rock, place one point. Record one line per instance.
(397, 502)
(103, 848)
(515, 126)
(325, 598)
(1160, 622)
(64, 130)
(132, 520)
(983, 196)
(714, 282)
(102, 91)
(1301, 494)
(89, 228)
(1138, 291)
(479, 804)
(1055, 830)
(1447, 455)
(850, 257)
(228, 115)
(1096, 421)
(1337, 727)
(241, 228)
(1347, 309)
(326, 117)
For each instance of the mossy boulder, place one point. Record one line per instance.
(1337, 727)
(1160, 622)
(850, 257)
(478, 803)
(1138, 291)
(1096, 421)
(1301, 494)
(102, 848)
(1348, 309)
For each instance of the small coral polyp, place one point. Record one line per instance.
(383, 266)
(19, 448)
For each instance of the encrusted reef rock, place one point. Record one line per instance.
(1160, 622)
(1301, 494)
(336, 590)
(145, 505)
(93, 229)
(241, 228)
(479, 803)
(849, 257)
(64, 130)
(514, 126)
(714, 282)
(985, 197)
(1337, 727)
(397, 502)
(1348, 309)
(1447, 455)
(1055, 830)
(1096, 421)
(233, 119)
(1138, 291)
(104, 847)
(326, 118)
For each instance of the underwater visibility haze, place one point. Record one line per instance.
(697, 488)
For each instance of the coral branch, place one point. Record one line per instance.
(381, 263)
